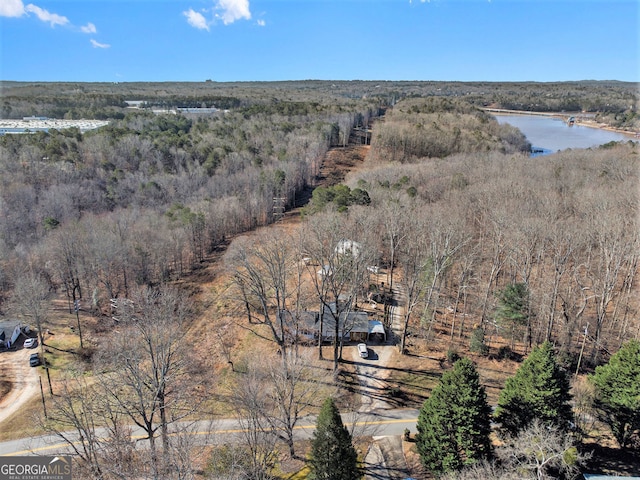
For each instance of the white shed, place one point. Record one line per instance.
(350, 247)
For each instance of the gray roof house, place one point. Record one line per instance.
(352, 326)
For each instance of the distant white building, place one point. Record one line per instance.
(44, 124)
(198, 110)
(350, 247)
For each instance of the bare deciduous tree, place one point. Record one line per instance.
(251, 406)
(539, 449)
(74, 417)
(446, 238)
(144, 372)
(497, 254)
(394, 216)
(293, 385)
(264, 273)
(414, 257)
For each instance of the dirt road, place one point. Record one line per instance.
(14, 368)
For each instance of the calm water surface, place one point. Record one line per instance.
(552, 134)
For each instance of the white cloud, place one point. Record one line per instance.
(11, 8)
(15, 8)
(88, 28)
(261, 23)
(233, 10)
(196, 19)
(46, 16)
(99, 45)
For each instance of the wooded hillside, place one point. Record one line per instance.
(488, 250)
(147, 198)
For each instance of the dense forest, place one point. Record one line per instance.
(489, 245)
(614, 102)
(184, 183)
(152, 195)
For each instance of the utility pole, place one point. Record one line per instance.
(76, 307)
(44, 405)
(278, 208)
(584, 341)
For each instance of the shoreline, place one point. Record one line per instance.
(603, 126)
(583, 122)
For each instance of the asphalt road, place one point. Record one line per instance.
(382, 423)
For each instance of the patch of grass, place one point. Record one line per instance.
(301, 474)
(69, 343)
(25, 422)
(61, 353)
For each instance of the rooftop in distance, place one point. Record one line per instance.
(43, 124)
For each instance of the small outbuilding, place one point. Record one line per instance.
(349, 247)
(377, 331)
(325, 271)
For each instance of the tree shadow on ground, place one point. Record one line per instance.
(612, 461)
(408, 390)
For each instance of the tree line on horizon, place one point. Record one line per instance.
(615, 103)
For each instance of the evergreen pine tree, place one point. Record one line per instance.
(454, 422)
(333, 456)
(538, 390)
(618, 393)
(513, 308)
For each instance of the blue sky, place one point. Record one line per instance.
(244, 40)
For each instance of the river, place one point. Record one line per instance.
(550, 134)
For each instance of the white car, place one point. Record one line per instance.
(362, 350)
(30, 343)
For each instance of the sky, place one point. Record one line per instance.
(267, 40)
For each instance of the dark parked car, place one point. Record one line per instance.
(34, 359)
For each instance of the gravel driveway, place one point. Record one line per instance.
(372, 376)
(385, 457)
(14, 368)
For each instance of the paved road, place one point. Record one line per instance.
(383, 423)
